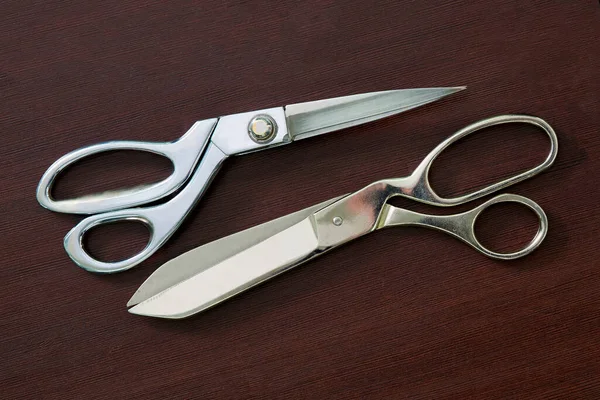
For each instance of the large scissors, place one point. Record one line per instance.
(214, 272)
(198, 155)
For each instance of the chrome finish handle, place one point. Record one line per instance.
(462, 226)
(417, 185)
(162, 220)
(363, 210)
(183, 154)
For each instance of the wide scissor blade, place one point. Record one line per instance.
(199, 259)
(317, 117)
(235, 274)
(204, 257)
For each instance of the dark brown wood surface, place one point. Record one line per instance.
(402, 313)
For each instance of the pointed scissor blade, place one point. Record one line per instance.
(317, 117)
(201, 258)
(245, 269)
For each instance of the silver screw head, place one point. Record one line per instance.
(337, 221)
(262, 128)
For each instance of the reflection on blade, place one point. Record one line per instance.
(201, 258)
(235, 274)
(322, 116)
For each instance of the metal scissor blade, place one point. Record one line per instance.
(229, 277)
(204, 257)
(317, 117)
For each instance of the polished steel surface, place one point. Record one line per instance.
(162, 220)
(201, 258)
(183, 153)
(462, 226)
(198, 155)
(317, 117)
(341, 221)
(361, 211)
(231, 134)
(262, 128)
(233, 275)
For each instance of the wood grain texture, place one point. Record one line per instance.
(402, 313)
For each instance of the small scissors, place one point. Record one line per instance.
(216, 271)
(198, 155)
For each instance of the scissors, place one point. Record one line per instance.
(214, 272)
(197, 157)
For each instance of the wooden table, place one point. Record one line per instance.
(402, 313)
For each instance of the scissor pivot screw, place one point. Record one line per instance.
(262, 128)
(337, 221)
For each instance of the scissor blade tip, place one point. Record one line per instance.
(143, 293)
(142, 309)
(446, 91)
(132, 301)
(147, 308)
(454, 89)
(134, 309)
(137, 297)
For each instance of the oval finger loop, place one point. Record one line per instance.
(183, 153)
(112, 200)
(74, 242)
(503, 198)
(421, 174)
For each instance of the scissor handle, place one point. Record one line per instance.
(462, 226)
(183, 154)
(417, 185)
(162, 220)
